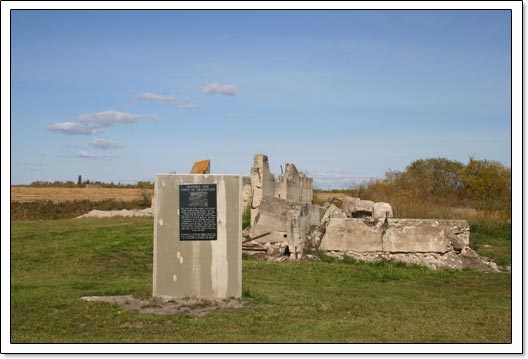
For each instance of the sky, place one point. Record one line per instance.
(345, 95)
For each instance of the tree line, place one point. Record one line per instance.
(480, 184)
(83, 184)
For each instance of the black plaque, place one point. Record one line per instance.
(198, 212)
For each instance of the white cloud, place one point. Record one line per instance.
(75, 128)
(93, 123)
(187, 103)
(228, 90)
(93, 156)
(173, 100)
(109, 118)
(106, 144)
(148, 96)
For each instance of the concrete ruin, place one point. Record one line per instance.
(294, 186)
(282, 209)
(284, 222)
(262, 183)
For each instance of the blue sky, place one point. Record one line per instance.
(345, 95)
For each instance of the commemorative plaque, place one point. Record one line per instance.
(198, 212)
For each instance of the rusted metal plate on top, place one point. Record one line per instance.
(201, 167)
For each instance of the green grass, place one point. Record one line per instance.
(54, 263)
(246, 217)
(492, 239)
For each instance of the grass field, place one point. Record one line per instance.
(54, 263)
(58, 194)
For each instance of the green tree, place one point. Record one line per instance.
(432, 177)
(487, 181)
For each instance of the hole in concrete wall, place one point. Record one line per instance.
(361, 214)
(287, 252)
(285, 235)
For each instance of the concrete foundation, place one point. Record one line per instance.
(395, 235)
(197, 268)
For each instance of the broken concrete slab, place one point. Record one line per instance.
(418, 238)
(275, 215)
(458, 227)
(395, 235)
(272, 216)
(351, 234)
(382, 210)
(449, 260)
(357, 208)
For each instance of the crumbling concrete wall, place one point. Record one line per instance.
(294, 185)
(435, 243)
(262, 183)
(282, 215)
(278, 216)
(353, 234)
(395, 235)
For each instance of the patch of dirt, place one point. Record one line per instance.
(190, 306)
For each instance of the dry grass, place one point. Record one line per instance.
(32, 194)
(415, 208)
(320, 197)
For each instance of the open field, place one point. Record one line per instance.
(57, 194)
(54, 263)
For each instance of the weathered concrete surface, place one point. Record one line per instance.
(296, 236)
(450, 260)
(382, 210)
(262, 183)
(357, 208)
(349, 204)
(332, 211)
(351, 234)
(201, 167)
(294, 185)
(272, 216)
(458, 227)
(422, 237)
(275, 215)
(397, 235)
(197, 269)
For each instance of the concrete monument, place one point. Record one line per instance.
(197, 236)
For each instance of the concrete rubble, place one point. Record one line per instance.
(285, 225)
(147, 212)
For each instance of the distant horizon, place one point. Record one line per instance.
(344, 95)
(331, 178)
